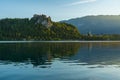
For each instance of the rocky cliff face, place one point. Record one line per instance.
(39, 27)
(42, 19)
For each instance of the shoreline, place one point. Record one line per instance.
(59, 41)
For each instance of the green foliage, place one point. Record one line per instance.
(25, 29)
(33, 29)
(101, 37)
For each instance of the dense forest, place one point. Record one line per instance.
(107, 37)
(39, 27)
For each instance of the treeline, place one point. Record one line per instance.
(27, 29)
(41, 28)
(101, 37)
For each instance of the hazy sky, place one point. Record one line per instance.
(58, 9)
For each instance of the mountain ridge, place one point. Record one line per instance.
(100, 24)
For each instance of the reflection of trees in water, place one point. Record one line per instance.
(44, 53)
(37, 53)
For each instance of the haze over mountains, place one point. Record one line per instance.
(102, 24)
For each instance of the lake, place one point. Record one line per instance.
(60, 61)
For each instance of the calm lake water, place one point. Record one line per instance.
(60, 61)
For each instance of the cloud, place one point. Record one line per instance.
(81, 2)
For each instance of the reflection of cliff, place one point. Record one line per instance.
(44, 53)
(37, 53)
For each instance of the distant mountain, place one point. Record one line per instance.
(102, 24)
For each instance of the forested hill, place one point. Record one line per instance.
(39, 27)
(102, 24)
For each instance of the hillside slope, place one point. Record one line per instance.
(39, 27)
(97, 24)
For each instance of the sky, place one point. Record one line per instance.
(58, 9)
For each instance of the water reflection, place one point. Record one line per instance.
(75, 53)
(36, 53)
(99, 53)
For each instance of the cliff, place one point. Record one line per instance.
(39, 27)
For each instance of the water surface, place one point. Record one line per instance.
(60, 61)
